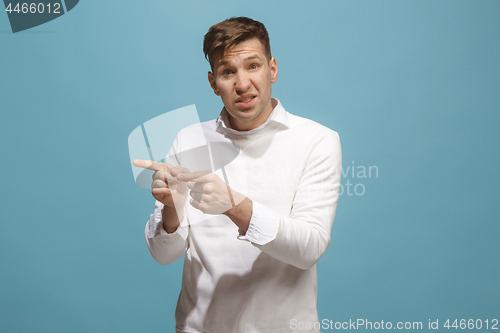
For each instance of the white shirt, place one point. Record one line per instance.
(290, 168)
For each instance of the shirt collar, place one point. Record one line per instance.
(278, 115)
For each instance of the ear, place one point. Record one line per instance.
(211, 79)
(274, 70)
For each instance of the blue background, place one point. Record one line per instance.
(412, 87)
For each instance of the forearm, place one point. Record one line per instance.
(298, 243)
(164, 247)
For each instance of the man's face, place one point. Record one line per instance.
(243, 79)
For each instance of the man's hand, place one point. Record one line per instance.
(208, 192)
(165, 186)
(168, 190)
(212, 196)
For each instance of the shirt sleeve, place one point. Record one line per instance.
(164, 247)
(263, 225)
(301, 238)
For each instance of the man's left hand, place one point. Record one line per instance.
(209, 193)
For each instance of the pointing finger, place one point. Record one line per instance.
(196, 186)
(174, 171)
(150, 165)
(194, 175)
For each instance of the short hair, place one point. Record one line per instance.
(230, 32)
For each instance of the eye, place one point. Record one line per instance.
(227, 72)
(254, 66)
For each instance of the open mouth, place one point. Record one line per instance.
(245, 101)
(248, 99)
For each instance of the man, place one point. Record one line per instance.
(251, 247)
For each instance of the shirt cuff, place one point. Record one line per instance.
(154, 227)
(263, 225)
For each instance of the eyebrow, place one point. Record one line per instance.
(225, 62)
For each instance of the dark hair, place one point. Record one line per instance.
(228, 33)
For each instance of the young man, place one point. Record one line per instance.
(251, 247)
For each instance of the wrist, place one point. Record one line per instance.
(170, 230)
(170, 218)
(241, 213)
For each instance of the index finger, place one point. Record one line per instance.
(150, 165)
(185, 177)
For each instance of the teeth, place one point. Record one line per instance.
(246, 100)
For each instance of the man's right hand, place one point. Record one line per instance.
(167, 189)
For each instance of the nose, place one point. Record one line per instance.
(242, 83)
